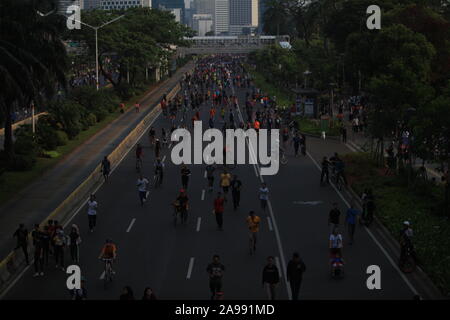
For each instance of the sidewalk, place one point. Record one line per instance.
(34, 203)
(359, 142)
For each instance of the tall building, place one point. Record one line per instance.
(205, 7)
(202, 23)
(222, 17)
(262, 10)
(92, 4)
(244, 16)
(124, 4)
(64, 4)
(174, 6)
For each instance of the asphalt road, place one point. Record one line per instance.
(153, 252)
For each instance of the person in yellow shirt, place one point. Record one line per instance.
(253, 227)
(225, 181)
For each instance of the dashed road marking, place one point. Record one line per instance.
(131, 225)
(191, 266)
(199, 221)
(269, 222)
(203, 194)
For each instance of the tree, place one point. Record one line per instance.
(32, 58)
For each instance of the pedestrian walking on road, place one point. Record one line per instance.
(219, 204)
(38, 254)
(351, 220)
(60, 242)
(270, 278)
(106, 168)
(210, 168)
(215, 271)
(296, 141)
(344, 134)
(92, 212)
(45, 241)
(236, 185)
(263, 196)
(303, 144)
(74, 243)
(225, 181)
(185, 173)
(142, 184)
(335, 242)
(334, 217)
(253, 222)
(127, 294)
(149, 294)
(295, 269)
(22, 241)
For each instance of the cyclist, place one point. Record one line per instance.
(159, 169)
(253, 227)
(157, 148)
(296, 141)
(109, 253)
(137, 106)
(139, 156)
(325, 171)
(151, 135)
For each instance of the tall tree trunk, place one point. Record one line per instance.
(8, 143)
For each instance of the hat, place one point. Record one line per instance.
(406, 223)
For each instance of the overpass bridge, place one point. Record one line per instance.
(229, 44)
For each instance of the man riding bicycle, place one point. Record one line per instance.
(151, 135)
(406, 244)
(159, 169)
(109, 253)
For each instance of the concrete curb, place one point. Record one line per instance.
(318, 136)
(419, 276)
(14, 263)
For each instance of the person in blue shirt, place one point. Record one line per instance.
(351, 219)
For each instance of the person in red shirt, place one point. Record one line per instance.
(219, 204)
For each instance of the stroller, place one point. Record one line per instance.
(337, 265)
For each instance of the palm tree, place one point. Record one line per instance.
(32, 58)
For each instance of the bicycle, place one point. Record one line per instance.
(334, 178)
(108, 272)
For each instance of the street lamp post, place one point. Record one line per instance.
(306, 74)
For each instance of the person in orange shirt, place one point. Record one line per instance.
(256, 125)
(212, 112)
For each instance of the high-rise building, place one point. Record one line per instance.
(244, 16)
(64, 4)
(221, 17)
(262, 10)
(174, 6)
(202, 23)
(124, 4)
(205, 7)
(92, 4)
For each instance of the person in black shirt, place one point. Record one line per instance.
(127, 294)
(236, 185)
(106, 168)
(22, 240)
(334, 217)
(325, 170)
(215, 271)
(270, 278)
(295, 269)
(185, 173)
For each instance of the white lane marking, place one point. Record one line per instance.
(408, 283)
(191, 265)
(199, 221)
(170, 145)
(311, 203)
(203, 194)
(205, 174)
(131, 224)
(102, 276)
(280, 248)
(269, 222)
(163, 159)
(146, 195)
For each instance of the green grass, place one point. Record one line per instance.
(314, 127)
(284, 97)
(422, 205)
(11, 182)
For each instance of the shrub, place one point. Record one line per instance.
(124, 91)
(62, 138)
(69, 115)
(91, 119)
(46, 135)
(26, 149)
(22, 162)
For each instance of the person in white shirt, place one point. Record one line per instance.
(142, 184)
(92, 212)
(263, 196)
(335, 242)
